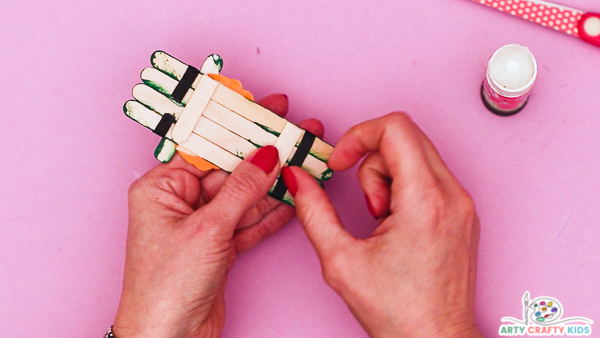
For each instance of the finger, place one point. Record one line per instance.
(436, 162)
(178, 178)
(394, 135)
(277, 103)
(264, 207)
(177, 162)
(247, 238)
(375, 180)
(245, 187)
(213, 182)
(316, 213)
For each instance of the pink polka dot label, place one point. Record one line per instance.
(560, 18)
(585, 26)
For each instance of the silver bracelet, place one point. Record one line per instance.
(109, 333)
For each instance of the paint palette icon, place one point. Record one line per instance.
(546, 310)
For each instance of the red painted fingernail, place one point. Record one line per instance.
(266, 158)
(290, 180)
(286, 97)
(370, 207)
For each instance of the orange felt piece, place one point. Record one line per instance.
(232, 84)
(197, 161)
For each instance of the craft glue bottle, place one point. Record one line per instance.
(509, 77)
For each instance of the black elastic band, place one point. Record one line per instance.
(185, 83)
(303, 149)
(164, 125)
(299, 156)
(279, 190)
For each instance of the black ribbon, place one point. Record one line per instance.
(164, 125)
(185, 83)
(299, 156)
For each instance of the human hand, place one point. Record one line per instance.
(185, 229)
(415, 275)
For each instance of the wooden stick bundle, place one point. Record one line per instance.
(215, 122)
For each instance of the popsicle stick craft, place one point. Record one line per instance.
(213, 123)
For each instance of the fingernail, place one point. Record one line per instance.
(290, 180)
(370, 207)
(286, 97)
(266, 158)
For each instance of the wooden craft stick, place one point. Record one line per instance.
(199, 146)
(143, 115)
(315, 167)
(286, 142)
(159, 81)
(239, 125)
(224, 138)
(212, 65)
(165, 150)
(175, 68)
(194, 108)
(250, 110)
(155, 100)
(168, 64)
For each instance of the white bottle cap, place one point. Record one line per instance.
(512, 71)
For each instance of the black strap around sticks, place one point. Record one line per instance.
(185, 83)
(299, 156)
(164, 125)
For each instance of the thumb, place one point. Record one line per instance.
(246, 186)
(316, 213)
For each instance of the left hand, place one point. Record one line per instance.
(185, 229)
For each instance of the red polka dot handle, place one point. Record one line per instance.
(564, 19)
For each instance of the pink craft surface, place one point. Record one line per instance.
(70, 153)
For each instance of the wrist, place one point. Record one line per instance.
(135, 324)
(456, 328)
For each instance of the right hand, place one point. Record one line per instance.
(415, 275)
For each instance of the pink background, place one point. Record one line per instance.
(70, 154)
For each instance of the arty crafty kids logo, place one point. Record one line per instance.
(543, 316)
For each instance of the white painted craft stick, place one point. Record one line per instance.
(241, 126)
(156, 101)
(224, 138)
(164, 84)
(194, 108)
(218, 156)
(314, 166)
(159, 80)
(286, 142)
(212, 65)
(165, 150)
(144, 116)
(168, 64)
(248, 109)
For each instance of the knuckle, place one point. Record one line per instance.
(264, 207)
(434, 196)
(242, 185)
(398, 119)
(334, 268)
(465, 205)
(136, 188)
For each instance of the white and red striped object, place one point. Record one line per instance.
(585, 26)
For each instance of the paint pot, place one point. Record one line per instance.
(509, 77)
